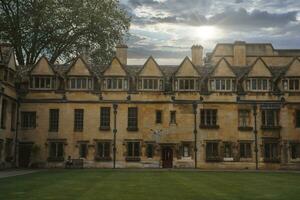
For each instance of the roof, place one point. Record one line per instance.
(5, 53)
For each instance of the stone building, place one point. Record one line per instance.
(211, 112)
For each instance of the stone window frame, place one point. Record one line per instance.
(103, 150)
(105, 114)
(81, 153)
(244, 120)
(133, 150)
(271, 145)
(28, 119)
(257, 84)
(212, 151)
(78, 83)
(209, 118)
(78, 120)
(173, 117)
(247, 148)
(53, 120)
(41, 80)
(294, 156)
(266, 115)
(158, 116)
(216, 84)
(124, 83)
(290, 84)
(159, 83)
(57, 154)
(132, 119)
(150, 150)
(184, 80)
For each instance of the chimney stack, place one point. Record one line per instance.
(121, 53)
(197, 55)
(239, 53)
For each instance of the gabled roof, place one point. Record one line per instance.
(40, 60)
(146, 64)
(223, 63)
(75, 62)
(186, 59)
(119, 62)
(255, 64)
(293, 69)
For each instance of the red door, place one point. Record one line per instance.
(167, 157)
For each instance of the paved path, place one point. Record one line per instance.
(10, 173)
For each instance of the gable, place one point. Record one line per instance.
(115, 69)
(187, 69)
(294, 69)
(259, 69)
(223, 70)
(12, 62)
(150, 69)
(79, 68)
(42, 67)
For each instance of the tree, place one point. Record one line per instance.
(61, 28)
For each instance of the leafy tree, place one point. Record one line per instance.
(61, 28)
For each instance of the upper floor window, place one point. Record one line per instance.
(186, 84)
(173, 117)
(3, 114)
(244, 118)
(270, 118)
(222, 84)
(116, 84)
(297, 118)
(258, 84)
(42, 82)
(158, 117)
(28, 120)
(8, 76)
(132, 119)
(150, 84)
(80, 83)
(78, 120)
(53, 120)
(208, 118)
(292, 84)
(104, 118)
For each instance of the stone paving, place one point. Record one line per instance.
(10, 173)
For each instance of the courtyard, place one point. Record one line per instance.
(150, 184)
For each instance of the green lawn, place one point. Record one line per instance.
(154, 185)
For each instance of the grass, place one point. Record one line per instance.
(154, 185)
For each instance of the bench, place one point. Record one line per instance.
(74, 164)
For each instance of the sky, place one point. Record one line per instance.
(166, 29)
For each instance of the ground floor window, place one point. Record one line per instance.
(133, 151)
(186, 150)
(212, 151)
(271, 152)
(227, 150)
(150, 150)
(245, 150)
(83, 150)
(56, 151)
(295, 150)
(9, 150)
(1, 147)
(103, 151)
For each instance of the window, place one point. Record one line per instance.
(13, 116)
(245, 150)
(9, 149)
(132, 119)
(3, 114)
(78, 120)
(271, 151)
(172, 117)
(187, 84)
(291, 84)
(222, 84)
(244, 118)
(28, 120)
(133, 151)
(258, 84)
(185, 150)
(150, 150)
(103, 150)
(297, 118)
(105, 118)
(53, 120)
(227, 150)
(80, 83)
(150, 84)
(116, 84)
(158, 119)
(1, 148)
(83, 150)
(212, 151)
(295, 150)
(208, 118)
(42, 82)
(270, 118)
(56, 151)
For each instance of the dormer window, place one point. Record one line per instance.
(42, 82)
(115, 84)
(80, 83)
(186, 84)
(291, 84)
(258, 84)
(222, 84)
(151, 84)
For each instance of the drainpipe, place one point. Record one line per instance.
(195, 105)
(115, 106)
(16, 139)
(255, 135)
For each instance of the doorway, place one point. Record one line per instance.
(24, 154)
(167, 157)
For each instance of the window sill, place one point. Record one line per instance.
(209, 126)
(26, 129)
(295, 160)
(245, 159)
(78, 131)
(55, 159)
(133, 129)
(213, 159)
(103, 159)
(133, 159)
(53, 131)
(245, 128)
(103, 128)
(270, 127)
(271, 160)
(228, 159)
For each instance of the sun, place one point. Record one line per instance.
(206, 32)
